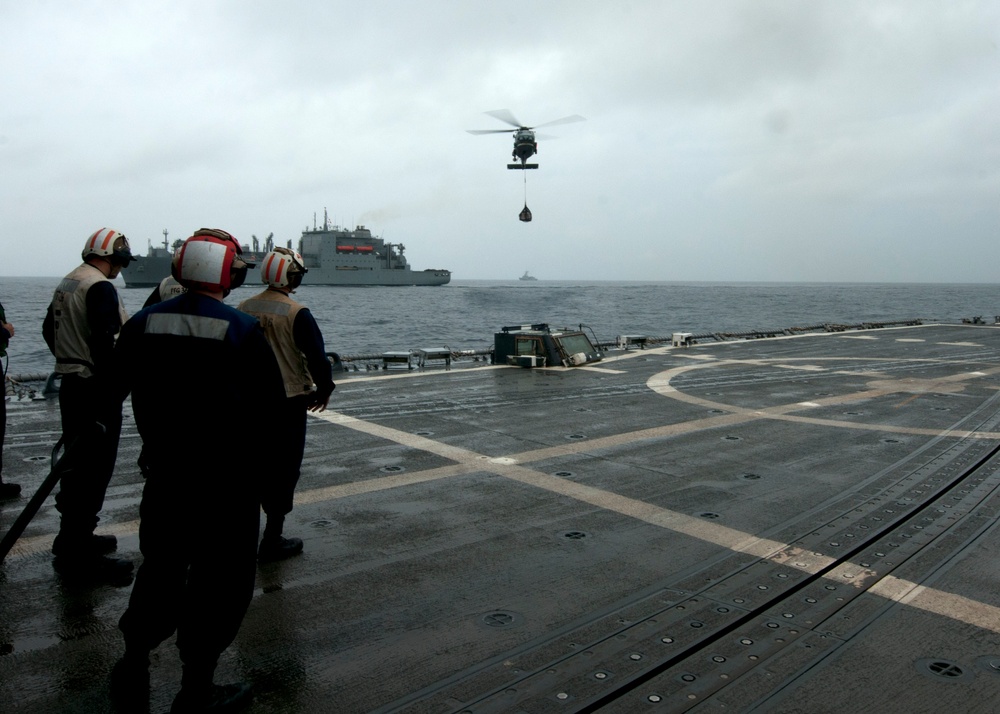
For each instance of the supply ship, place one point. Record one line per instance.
(333, 256)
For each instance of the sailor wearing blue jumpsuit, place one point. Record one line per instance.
(204, 383)
(298, 345)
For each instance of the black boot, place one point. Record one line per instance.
(9, 490)
(199, 694)
(94, 543)
(212, 698)
(278, 548)
(274, 546)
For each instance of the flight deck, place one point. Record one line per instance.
(795, 524)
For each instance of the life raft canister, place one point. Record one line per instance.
(525, 215)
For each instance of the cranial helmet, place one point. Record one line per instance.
(110, 244)
(283, 268)
(210, 260)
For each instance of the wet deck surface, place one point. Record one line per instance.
(783, 525)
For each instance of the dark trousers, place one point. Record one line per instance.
(278, 490)
(90, 459)
(3, 422)
(198, 537)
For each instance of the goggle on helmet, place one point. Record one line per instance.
(110, 244)
(210, 260)
(282, 268)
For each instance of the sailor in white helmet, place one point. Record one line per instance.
(168, 288)
(298, 345)
(203, 380)
(80, 328)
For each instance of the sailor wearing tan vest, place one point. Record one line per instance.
(80, 328)
(298, 346)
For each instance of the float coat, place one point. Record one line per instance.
(200, 510)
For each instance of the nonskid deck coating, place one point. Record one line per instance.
(501, 539)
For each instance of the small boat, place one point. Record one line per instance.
(527, 277)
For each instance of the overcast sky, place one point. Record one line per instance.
(731, 140)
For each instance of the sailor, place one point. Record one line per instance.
(298, 345)
(7, 490)
(80, 328)
(196, 357)
(168, 288)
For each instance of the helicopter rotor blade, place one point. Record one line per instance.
(489, 131)
(505, 116)
(564, 120)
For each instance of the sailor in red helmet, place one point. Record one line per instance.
(203, 382)
(80, 327)
(298, 345)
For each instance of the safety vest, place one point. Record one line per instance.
(276, 312)
(71, 328)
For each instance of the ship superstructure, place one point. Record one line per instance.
(337, 256)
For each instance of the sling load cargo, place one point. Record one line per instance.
(525, 145)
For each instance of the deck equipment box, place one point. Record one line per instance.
(540, 346)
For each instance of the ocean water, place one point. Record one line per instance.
(466, 313)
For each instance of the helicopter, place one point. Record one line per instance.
(525, 145)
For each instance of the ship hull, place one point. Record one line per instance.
(370, 277)
(148, 272)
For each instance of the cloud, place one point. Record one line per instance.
(737, 140)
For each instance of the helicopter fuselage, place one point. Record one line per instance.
(524, 136)
(524, 148)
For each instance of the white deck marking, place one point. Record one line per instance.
(661, 384)
(915, 595)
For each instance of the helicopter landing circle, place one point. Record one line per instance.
(878, 386)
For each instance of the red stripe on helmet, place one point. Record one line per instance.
(267, 268)
(94, 236)
(105, 241)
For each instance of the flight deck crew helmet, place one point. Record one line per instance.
(210, 260)
(109, 244)
(283, 268)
